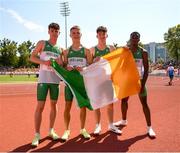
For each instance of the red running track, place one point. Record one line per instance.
(17, 105)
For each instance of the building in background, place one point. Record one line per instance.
(156, 52)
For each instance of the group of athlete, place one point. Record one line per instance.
(75, 58)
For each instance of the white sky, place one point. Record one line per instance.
(22, 20)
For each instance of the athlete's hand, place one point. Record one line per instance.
(59, 61)
(69, 68)
(47, 63)
(96, 59)
(78, 68)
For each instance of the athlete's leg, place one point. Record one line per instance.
(54, 93)
(67, 115)
(52, 118)
(124, 107)
(53, 113)
(146, 109)
(67, 118)
(38, 115)
(110, 113)
(147, 114)
(97, 116)
(83, 117)
(42, 90)
(83, 131)
(68, 99)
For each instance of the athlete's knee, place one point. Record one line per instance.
(83, 109)
(53, 106)
(53, 103)
(40, 106)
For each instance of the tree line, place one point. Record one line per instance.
(17, 55)
(172, 42)
(14, 55)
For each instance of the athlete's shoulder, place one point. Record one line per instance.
(142, 49)
(84, 48)
(39, 46)
(41, 43)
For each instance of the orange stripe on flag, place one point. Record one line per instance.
(125, 76)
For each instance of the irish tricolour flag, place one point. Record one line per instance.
(112, 78)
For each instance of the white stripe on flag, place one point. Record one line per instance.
(98, 84)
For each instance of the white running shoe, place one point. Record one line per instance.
(151, 133)
(114, 129)
(65, 135)
(121, 122)
(85, 134)
(36, 140)
(97, 129)
(53, 135)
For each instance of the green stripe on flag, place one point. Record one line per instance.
(76, 83)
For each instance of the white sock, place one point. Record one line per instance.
(37, 134)
(50, 130)
(111, 124)
(149, 127)
(98, 124)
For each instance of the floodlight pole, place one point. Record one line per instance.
(65, 11)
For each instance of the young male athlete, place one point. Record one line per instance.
(99, 50)
(75, 58)
(141, 58)
(48, 80)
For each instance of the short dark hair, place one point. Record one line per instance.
(75, 27)
(135, 34)
(101, 29)
(54, 26)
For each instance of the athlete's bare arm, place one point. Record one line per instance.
(146, 69)
(35, 53)
(88, 56)
(65, 60)
(59, 60)
(94, 59)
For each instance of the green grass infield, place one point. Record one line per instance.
(17, 78)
